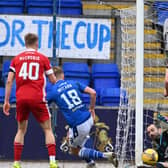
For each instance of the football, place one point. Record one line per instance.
(150, 156)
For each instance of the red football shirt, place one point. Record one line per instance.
(31, 68)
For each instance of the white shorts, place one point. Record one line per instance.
(79, 135)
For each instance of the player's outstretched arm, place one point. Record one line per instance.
(52, 78)
(6, 106)
(162, 165)
(92, 94)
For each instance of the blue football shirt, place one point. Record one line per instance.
(67, 96)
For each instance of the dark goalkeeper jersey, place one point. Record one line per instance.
(162, 147)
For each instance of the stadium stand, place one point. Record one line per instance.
(63, 7)
(77, 71)
(2, 94)
(105, 75)
(152, 44)
(5, 69)
(38, 7)
(1, 80)
(161, 11)
(153, 56)
(12, 6)
(69, 7)
(13, 93)
(86, 98)
(110, 97)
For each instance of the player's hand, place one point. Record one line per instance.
(165, 93)
(92, 111)
(6, 108)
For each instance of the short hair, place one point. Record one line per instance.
(30, 39)
(58, 71)
(157, 123)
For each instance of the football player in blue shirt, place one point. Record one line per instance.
(67, 96)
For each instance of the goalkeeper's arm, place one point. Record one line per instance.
(161, 165)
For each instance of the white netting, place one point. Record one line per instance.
(153, 81)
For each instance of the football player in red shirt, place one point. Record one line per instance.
(30, 69)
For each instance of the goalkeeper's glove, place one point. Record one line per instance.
(159, 165)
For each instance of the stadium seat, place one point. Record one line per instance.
(1, 80)
(48, 85)
(162, 11)
(105, 76)
(86, 99)
(69, 7)
(13, 93)
(44, 7)
(162, 16)
(110, 96)
(5, 68)
(77, 71)
(11, 6)
(39, 10)
(0, 74)
(2, 94)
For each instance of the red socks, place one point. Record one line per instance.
(18, 147)
(51, 149)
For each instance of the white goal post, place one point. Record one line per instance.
(139, 80)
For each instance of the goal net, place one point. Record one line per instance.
(154, 70)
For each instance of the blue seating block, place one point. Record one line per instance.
(110, 97)
(13, 93)
(48, 86)
(162, 16)
(2, 94)
(44, 7)
(11, 10)
(40, 10)
(11, 6)
(162, 11)
(0, 74)
(5, 68)
(85, 98)
(12, 3)
(39, 4)
(69, 11)
(75, 67)
(107, 70)
(69, 3)
(69, 7)
(105, 76)
(77, 72)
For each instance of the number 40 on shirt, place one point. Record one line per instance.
(29, 71)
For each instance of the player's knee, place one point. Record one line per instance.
(46, 126)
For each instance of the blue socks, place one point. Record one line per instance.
(89, 154)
